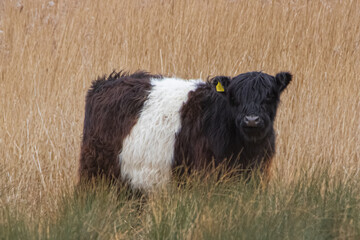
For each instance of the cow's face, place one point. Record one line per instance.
(253, 98)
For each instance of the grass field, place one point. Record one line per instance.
(50, 51)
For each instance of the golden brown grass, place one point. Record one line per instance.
(50, 51)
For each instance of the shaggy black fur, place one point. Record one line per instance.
(213, 125)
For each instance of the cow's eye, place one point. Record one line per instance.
(233, 100)
(270, 99)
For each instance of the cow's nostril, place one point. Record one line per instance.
(252, 121)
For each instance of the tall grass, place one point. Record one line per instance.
(50, 51)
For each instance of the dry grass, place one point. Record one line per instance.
(50, 51)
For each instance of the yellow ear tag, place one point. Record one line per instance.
(219, 87)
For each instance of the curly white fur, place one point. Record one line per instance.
(147, 153)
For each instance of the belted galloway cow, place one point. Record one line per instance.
(139, 127)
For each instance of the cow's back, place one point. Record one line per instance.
(130, 126)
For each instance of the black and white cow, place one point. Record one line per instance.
(139, 127)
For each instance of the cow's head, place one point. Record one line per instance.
(253, 98)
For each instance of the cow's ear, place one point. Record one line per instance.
(282, 80)
(220, 83)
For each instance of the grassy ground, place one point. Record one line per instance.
(313, 207)
(50, 51)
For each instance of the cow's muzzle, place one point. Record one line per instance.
(252, 121)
